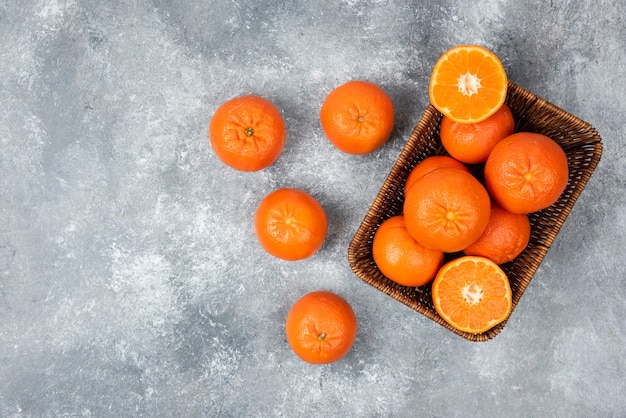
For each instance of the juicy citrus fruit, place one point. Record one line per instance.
(506, 236)
(247, 133)
(429, 164)
(472, 294)
(400, 257)
(290, 224)
(357, 117)
(321, 327)
(468, 84)
(472, 143)
(526, 172)
(446, 209)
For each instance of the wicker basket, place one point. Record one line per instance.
(583, 147)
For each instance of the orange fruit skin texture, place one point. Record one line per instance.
(247, 133)
(431, 163)
(468, 84)
(472, 294)
(472, 143)
(357, 117)
(505, 237)
(446, 209)
(321, 327)
(526, 172)
(400, 257)
(290, 224)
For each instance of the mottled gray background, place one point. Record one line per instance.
(131, 280)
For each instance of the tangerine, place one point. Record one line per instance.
(505, 237)
(247, 133)
(429, 164)
(446, 209)
(526, 172)
(321, 327)
(472, 294)
(468, 84)
(357, 117)
(400, 257)
(290, 224)
(472, 143)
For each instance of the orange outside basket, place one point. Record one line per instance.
(583, 147)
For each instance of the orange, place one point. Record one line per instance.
(526, 172)
(506, 236)
(472, 294)
(290, 224)
(247, 133)
(357, 117)
(429, 164)
(471, 143)
(321, 327)
(400, 257)
(446, 209)
(468, 84)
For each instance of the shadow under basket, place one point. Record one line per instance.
(579, 140)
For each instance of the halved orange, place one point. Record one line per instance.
(468, 84)
(472, 294)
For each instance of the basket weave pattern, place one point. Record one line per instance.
(579, 140)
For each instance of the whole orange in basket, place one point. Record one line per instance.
(446, 209)
(429, 164)
(357, 117)
(321, 327)
(247, 133)
(472, 143)
(468, 84)
(290, 224)
(506, 236)
(526, 172)
(472, 294)
(401, 258)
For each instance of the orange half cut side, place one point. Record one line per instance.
(472, 294)
(468, 84)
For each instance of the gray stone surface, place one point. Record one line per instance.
(131, 282)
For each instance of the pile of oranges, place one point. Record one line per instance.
(447, 209)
